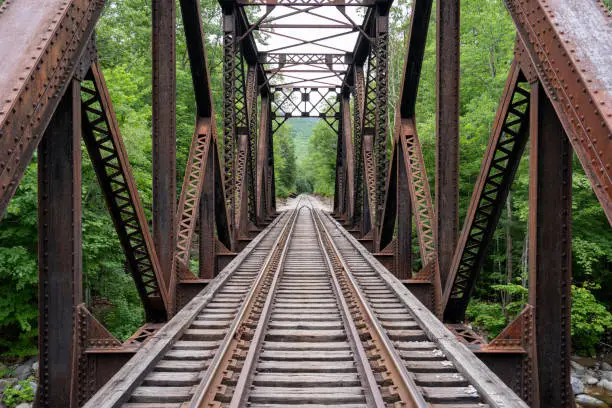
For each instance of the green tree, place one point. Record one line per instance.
(285, 166)
(320, 163)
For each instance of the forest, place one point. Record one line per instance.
(305, 162)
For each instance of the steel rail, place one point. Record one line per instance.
(240, 393)
(258, 337)
(363, 361)
(203, 390)
(490, 387)
(406, 387)
(120, 387)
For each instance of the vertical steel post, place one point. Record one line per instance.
(349, 194)
(59, 252)
(251, 99)
(550, 203)
(261, 167)
(164, 133)
(403, 268)
(447, 132)
(381, 44)
(358, 102)
(207, 239)
(229, 111)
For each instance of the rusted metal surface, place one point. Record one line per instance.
(349, 157)
(40, 46)
(358, 106)
(375, 118)
(506, 144)
(194, 37)
(263, 141)
(163, 118)
(99, 353)
(229, 113)
(447, 132)
(207, 239)
(191, 192)
(569, 45)
(252, 93)
(109, 158)
(512, 356)
(550, 248)
(59, 248)
(419, 190)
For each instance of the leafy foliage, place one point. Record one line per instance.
(284, 161)
(590, 320)
(21, 392)
(319, 168)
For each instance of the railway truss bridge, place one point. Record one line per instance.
(304, 307)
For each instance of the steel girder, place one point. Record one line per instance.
(550, 249)
(571, 58)
(501, 160)
(282, 59)
(375, 121)
(252, 92)
(163, 126)
(349, 158)
(109, 158)
(203, 180)
(60, 251)
(264, 201)
(191, 193)
(358, 106)
(239, 126)
(406, 191)
(447, 132)
(39, 60)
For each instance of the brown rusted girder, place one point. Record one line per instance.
(110, 161)
(508, 139)
(569, 46)
(40, 46)
(447, 132)
(163, 121)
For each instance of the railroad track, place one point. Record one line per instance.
(306, 318)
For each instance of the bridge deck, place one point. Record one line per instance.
(304, 317)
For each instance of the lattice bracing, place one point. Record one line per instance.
(503, 155)
(109, 158)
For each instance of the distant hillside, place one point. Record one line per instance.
(301, 130)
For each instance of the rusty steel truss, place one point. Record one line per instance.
(557, 100)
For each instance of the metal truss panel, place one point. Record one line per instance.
(274, 58)
(419, 191)
(358, 106)
(109, 158)
(191, 192)
(568, 44)
(251, 102)
(505, 148)
(40, 46)
(318, 102)
(229, 114)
